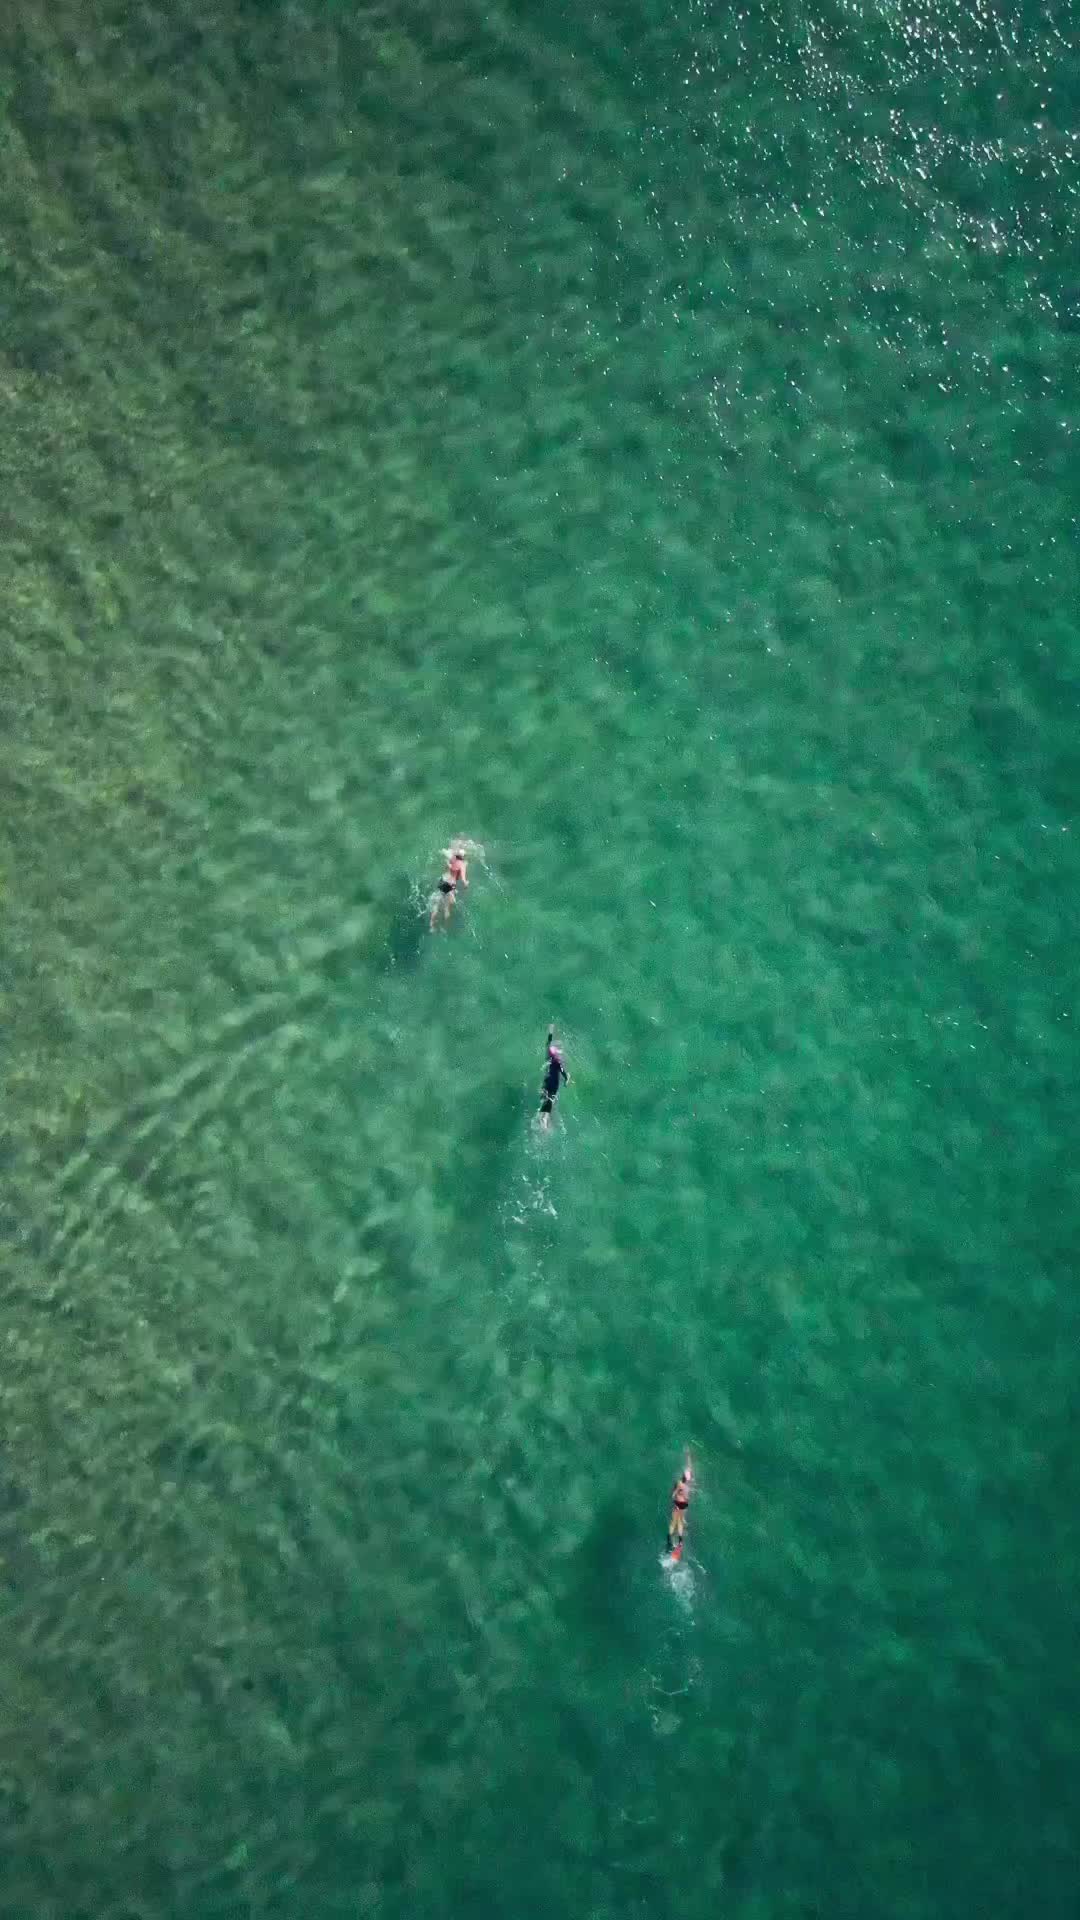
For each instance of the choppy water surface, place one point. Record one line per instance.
(645, 443)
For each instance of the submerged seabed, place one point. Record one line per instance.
(644, 444)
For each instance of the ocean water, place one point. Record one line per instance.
(643, 441)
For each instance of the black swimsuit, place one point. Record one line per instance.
(447, 886)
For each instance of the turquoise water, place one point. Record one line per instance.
(643, 443)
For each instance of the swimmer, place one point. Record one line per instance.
(456, 869)
(680, 1500)
(554, 1075)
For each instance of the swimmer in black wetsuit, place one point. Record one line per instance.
(457, 869)
(554, 1075)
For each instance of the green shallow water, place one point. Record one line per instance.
(644, 443)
